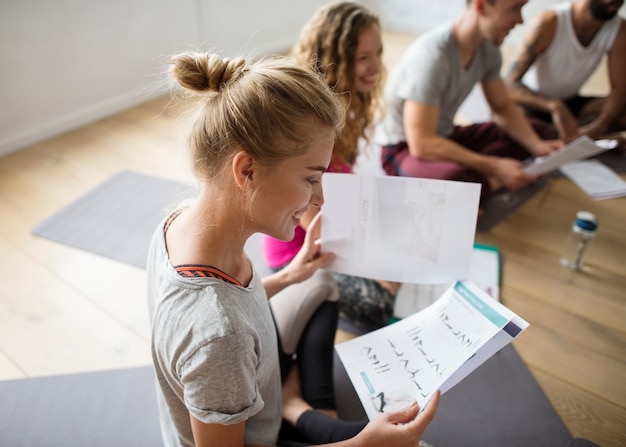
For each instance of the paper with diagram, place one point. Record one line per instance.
(403, 229)
(433, 349)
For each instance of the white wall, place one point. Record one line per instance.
(417, 16)
(65, 63)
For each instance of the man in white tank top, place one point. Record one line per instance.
(559, 54)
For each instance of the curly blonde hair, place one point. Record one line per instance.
(263, 107)
(328, 44)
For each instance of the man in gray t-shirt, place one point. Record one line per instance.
(431, 81)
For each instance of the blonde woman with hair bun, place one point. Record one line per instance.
(261, 141)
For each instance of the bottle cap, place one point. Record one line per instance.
(586, 220)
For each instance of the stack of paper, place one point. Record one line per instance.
(595, 178)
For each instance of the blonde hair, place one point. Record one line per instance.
(328, 44)
(264, 107)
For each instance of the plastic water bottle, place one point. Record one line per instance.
(579, 240)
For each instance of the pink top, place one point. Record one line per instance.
(277, 253)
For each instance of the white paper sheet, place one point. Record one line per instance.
(582, 147)
(400, 229)
(484, 271)
(595, 178)
(432, 349)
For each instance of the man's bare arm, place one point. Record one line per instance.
(614, 104)
(535, 43)
(510, 117)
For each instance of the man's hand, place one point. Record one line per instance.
(565, 123)
(545, 147)
(594, 130)
(511, 174)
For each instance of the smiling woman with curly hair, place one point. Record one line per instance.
(343, 43)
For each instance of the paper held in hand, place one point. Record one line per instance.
(582, 147)
(433, 349)
(403, 229)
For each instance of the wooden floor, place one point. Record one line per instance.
(63, 310)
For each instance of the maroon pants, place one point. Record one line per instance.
(485, 138)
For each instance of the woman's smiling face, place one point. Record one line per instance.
(289, 188)
(368, 59)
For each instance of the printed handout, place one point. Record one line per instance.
(403, 229)
(582, 147)
(595, 178)
(433, 349)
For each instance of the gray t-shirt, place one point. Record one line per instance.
(214, 348)
(431, 73)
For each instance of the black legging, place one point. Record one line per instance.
(315, 361)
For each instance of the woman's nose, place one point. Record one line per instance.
(317, 198)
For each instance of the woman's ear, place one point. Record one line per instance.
(243, 166)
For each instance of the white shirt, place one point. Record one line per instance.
(566, 64)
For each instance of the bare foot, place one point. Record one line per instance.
(293, 403)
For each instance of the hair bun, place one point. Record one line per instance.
(205, 72)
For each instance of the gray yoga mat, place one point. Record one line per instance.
(97, 409)
(499, 404)
(503, 203)
(117, 218)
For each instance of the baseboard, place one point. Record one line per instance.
(75, 119)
